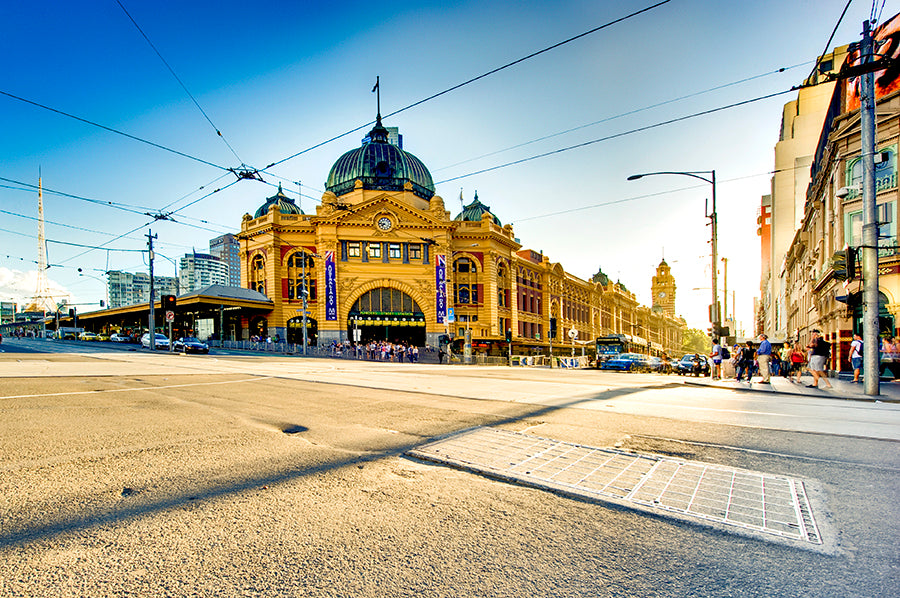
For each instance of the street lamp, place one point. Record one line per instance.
(105, 283)
(714, 308)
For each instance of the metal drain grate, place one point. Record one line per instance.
(749, 500)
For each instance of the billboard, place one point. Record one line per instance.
(887, 44)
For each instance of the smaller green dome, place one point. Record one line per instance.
(473, 212)
(285, 204)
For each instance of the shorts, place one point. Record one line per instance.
(856, 362)
(717, 361)
(817, 363)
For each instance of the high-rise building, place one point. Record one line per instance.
(801, 125)
(127, 288)
(200, 270)
(7, 312)
(228, 249)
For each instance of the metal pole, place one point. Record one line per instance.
(303, 294)
(725, 288)
(870, 223)
(152, 322)
(714, 219)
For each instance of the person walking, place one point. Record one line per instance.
(763, 357)
(786, 365)
(820, 351)
(745, 363)
(856, 355)
(797, 358)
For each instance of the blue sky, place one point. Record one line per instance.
(277, 78)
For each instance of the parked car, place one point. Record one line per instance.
(655, 364)
(102, 336)
(693, 364)
(87, 336)
(626, 362)
(120, 338)
(161, 342)
(189, 344)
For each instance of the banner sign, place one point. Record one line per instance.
(440, 276)
(330, 287)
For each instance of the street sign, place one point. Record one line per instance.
(573, 334)
(170, 316)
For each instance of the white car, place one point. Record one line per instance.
(161, 342)
(120, 338)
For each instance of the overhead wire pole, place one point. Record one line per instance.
(871, 361)
(152, 322)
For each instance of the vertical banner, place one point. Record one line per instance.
(330, 287)
(440, 277)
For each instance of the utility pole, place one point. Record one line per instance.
(150, 237)
(714, 224)
(870, 222)
(725, 288)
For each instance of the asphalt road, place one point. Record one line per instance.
(131, 473)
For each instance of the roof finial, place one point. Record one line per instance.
(377, 91)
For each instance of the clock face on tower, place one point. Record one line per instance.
(661, 295)
(384, 223)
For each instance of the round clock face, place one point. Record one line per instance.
(384, 223)
(662, 294)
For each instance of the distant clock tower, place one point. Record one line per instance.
(663, 289)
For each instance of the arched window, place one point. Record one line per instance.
(258, 274)
(466, 279)
(502, 285)
(295, 276)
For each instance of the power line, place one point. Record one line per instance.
(623, 114)
(111, 204)
(657, 194)
(617, 135)
(180, 82)
(830, 39)
(111, 130)
(474, 79)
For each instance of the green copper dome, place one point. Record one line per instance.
(473, 212)
(285, 204)
(379, 165)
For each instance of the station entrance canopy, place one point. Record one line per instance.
(214, 312)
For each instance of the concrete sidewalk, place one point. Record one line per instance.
(843, 389)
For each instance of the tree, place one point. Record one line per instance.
(695, 340)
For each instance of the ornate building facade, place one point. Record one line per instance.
(382, 259)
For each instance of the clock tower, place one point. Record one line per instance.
(663, 289)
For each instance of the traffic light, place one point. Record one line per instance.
(839, 264)
(852, 260)
(552, 328)
(723, 331)
(71, 312)
(508, 335)
(167, 302)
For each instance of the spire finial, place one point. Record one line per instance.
(377, 91)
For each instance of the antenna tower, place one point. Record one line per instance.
(42, 300)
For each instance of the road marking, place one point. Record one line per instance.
(92, 392)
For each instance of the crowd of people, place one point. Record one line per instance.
(751, 359)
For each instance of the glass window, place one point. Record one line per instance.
(353, 249)
(887, 228)
(394, 251)
(374, 250)
(415, 251)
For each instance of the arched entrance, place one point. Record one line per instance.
(259, 326)
(295, 331)
(386, 314)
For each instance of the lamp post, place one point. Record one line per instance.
(713, 218)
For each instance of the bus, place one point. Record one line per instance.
(608, 347)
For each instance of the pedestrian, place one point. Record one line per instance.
(786, 366)
(763, 357)
(717, 360)
(820, 350)
(856, 358)
(440, 355)
(745, 362)
(797, 358)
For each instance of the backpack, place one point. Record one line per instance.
(726, 354)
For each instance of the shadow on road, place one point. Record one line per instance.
(119, 514)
